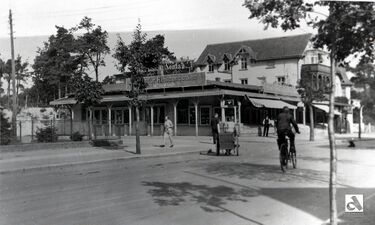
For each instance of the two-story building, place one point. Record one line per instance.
(241, 81)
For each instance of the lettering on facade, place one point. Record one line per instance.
(175, 80)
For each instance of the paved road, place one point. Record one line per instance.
(192, 189)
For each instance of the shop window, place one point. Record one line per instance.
(243, 63)
(205, 115)
(217, 78)
(244, 81)
(84, 114)
(183, 112)
(191, 115)
(104, 119)
(159, 114)
(97, 116)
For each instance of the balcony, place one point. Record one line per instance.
(315, 68)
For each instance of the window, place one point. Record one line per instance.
(244, 81)
(183, 112)
(227, 66)
(227, 81)
(281, 80)
(159, 114)
(84, 113)
(217, 78)
(243, 63)
(270, 65)
(97, 116)
(191, 115)
(211, 67)
(205, 115)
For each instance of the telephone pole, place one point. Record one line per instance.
(14, 97)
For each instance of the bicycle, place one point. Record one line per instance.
(287, 154)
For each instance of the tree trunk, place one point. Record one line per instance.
(333, 153)
(312, 121)
(97, 74)
(90, 124)
(137, 138)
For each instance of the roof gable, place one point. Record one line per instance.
(265, 49)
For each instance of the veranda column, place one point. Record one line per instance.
(304, 115)
(239, 111)
(109, 120)
(295, 114)
(130, 120)
(222, 111)
(152, 119)
(235, 114)
(175, 117)
(196, 118)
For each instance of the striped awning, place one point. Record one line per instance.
(269, 103)
(325, 108)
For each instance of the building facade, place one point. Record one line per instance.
(241, 81)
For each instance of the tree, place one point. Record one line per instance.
(310, 93)
(140, 56)
(5, 129)
(347, 30)
(92, 45)
(87, 92)
(56, 63)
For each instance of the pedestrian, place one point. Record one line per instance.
(215, 129)
(266, 124)
(168, 131)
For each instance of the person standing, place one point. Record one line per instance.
(168, 131)
(215, 129)
(266, 124)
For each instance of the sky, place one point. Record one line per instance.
(39, 17)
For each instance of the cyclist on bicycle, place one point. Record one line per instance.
(284, 119)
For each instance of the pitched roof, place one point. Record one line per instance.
(265, 49)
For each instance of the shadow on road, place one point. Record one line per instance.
(210, 199)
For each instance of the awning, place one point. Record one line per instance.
(325, 108)
(269, 103)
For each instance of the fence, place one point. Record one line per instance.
(27, 129)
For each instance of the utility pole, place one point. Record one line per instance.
(14, 96)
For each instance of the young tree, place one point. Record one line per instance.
(5, 129)
(310, 93)
(140, 56)
(87, 92)
(347, 30)
(92, 45)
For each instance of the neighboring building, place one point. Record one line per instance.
(241, 81)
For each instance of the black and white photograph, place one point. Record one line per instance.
(187, 112)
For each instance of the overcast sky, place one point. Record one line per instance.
(38, 17)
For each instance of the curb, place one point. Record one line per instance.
(63, 165)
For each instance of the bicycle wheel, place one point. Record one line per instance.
(283, 158)
(293, 157)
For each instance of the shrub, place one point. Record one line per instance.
(76, 136)
(47, 134)
(5, 130)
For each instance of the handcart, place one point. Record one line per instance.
(228, 142)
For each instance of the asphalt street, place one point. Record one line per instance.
(193, 189)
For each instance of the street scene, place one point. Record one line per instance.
(185, 185)
(187, 112)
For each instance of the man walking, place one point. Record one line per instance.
(168, 131)
(215, 129)
(266, 124)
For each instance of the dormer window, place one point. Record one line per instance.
(211, 67)
(226, 66)
(243, 62)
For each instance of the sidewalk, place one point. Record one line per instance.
(19, 161)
